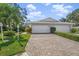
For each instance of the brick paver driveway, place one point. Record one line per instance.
(51, 45)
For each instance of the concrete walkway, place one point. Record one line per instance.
(51, 45)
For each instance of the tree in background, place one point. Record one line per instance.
(73, 17)
(62, 19)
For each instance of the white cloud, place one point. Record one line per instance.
(57, 6)
(31, 7)
(61, 9)
(35, 14)
(60, 15)
(69, 7)
(47, 4)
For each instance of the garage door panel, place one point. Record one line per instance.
(40, 29)
(62, 28)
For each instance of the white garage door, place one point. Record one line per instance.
(40, 29)
(63, 28)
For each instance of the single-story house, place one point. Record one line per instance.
(43, 26)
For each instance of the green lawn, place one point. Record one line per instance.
(15, 46)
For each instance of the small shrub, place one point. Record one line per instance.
(9, 33)
(53, 29)
(29, 29)
(22, 29)
(10, 38)
(74, 30)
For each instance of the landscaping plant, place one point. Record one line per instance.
(15, 46)
(74, 30)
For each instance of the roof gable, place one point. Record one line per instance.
(48, 20)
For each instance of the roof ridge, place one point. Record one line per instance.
(49, 19)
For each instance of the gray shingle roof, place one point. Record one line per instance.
(48, 20)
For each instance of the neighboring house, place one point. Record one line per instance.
(43, 26)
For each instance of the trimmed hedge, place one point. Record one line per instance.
(68, 35)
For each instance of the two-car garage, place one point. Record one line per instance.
(44, 26)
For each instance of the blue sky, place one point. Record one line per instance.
(37, 11)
